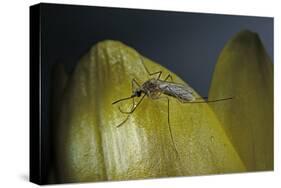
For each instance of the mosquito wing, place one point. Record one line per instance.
(180, 91)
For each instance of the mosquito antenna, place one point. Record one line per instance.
(124, 99)
(211, 101)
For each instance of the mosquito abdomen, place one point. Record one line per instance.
(179, 91)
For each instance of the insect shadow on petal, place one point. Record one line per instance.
(156, 88)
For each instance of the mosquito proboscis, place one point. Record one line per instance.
(155, 88)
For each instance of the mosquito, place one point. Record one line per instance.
(156, 88)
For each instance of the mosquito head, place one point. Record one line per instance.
(137, 92)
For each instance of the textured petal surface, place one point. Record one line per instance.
(91, 148)
(245, 72)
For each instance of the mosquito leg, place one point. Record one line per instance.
(200, 100)
(217, 100)
(169, 125)
(168, 76)
(134, 108)
(123, 121)
(170, 130)
(150, 74)
(134, 81)
(130, 112)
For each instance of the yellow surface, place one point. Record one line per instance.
(245, 72)
(91, 148)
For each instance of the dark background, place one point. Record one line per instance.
(185, 43)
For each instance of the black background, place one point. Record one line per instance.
(186, 43)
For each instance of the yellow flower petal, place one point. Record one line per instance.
(245, 72)
(91, 148)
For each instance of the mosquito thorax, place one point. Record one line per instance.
(150, 85)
